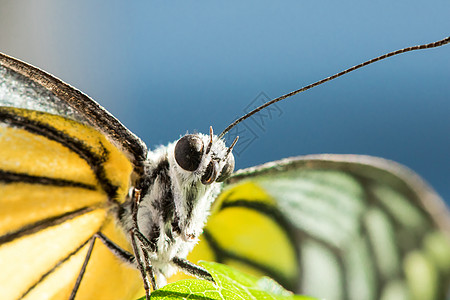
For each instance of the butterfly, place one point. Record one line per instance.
(88, 212)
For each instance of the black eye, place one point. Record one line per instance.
(189, 152)
(210, 173)
(227, 169)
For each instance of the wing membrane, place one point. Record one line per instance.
(27, 258)
(360, 228)
(59, 180)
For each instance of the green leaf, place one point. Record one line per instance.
(229, 284)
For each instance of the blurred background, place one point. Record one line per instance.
(164, 68)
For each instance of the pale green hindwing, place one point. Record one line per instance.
(364, 227)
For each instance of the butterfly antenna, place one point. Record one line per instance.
(400, 51)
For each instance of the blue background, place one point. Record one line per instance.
(165, 67)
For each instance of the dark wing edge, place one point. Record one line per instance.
(426, 197)
(97, 116)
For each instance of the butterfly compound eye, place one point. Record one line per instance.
(227, 169)
(189, 152)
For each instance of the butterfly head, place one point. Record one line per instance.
(195, 164)
(205, 156)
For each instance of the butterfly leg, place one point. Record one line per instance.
(192, 268)
(133, 260)
(122, 254)
(149, 270)
(83, 269)
(142, 266)
(145, 247)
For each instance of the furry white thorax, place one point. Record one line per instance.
(183, 183)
